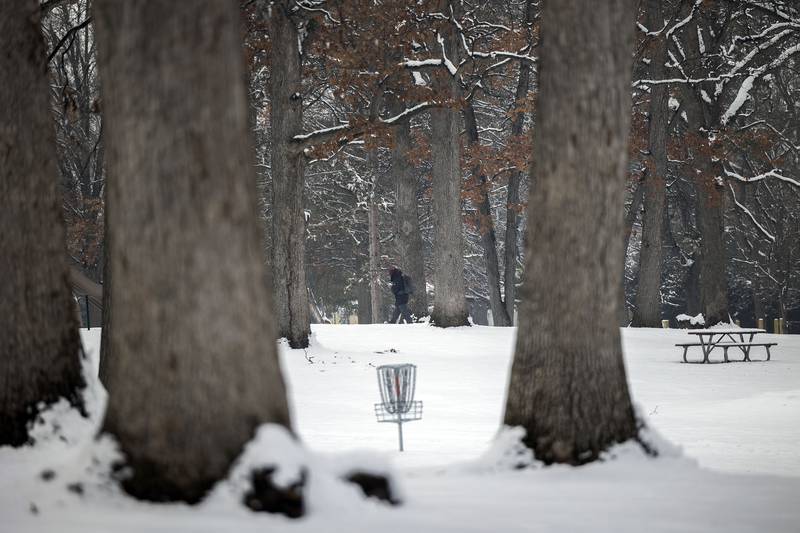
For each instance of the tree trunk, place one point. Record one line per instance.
(192, 365)
(364, 305)
(374, 262)
(713, 256)
(288, 169)
(512, 195)
(449, 304)
(486, 226)
(647, 311)
(107, 321)
(39, 343)
(630, 219)
(692, 284)
(568, 387)
(704, 119)
(408, 238)
(511, 243)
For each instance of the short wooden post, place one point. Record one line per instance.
(776, 326)
(783, 326)
(665, 324)
(760, 323)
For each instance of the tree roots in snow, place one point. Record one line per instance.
(266, 496)
(374, 486)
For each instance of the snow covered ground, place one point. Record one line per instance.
(738, 426)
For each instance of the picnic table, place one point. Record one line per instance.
(725, 339)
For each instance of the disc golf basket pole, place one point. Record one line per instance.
(396, 384)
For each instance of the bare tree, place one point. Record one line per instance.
(449, 302)
(192, 366)
(39, 342)
(568, 388)
(647, 311)
(288, 169)
(409, 248)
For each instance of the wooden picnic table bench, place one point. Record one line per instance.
(725, 339)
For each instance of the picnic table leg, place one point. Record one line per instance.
(706, 349)
(767, 347)
(747, 349)
(685, 348)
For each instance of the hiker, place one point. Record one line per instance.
(401, 288)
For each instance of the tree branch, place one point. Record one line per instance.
(70, 33)
(344, 133)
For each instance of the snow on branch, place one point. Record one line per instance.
(348, 129)
(311, 6)
(650, 33)
(771, 174)
(685, 21)
(501, 53)
(412, 63)
(680, 80)
(451, 68)
(408, 112)
(320, 132)
(746, 211)
(744, 89)
(749, 57)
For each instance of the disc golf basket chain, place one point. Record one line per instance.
(396, 384)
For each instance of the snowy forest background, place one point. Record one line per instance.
(715, 150)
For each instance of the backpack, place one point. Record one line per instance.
(408, 286)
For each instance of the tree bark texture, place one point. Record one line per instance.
(288, 176)
(364, 304)
(374, 262)
(486, 226)
(711, 279)
(449, 304)
(647, 311)
(514, 180)
(630, 219)
(704, 118)
(713, 255)
(192, 362)
(40, 349)
(568, 387)
(410, 255)
(107, 321)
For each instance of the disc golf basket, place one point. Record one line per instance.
(396, 384)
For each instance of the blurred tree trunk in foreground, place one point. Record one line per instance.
(39, 343)
(192, 367)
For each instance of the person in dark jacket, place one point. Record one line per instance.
(400, 296)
